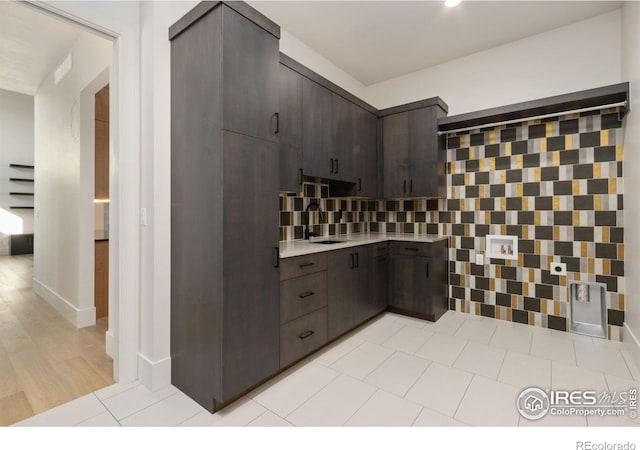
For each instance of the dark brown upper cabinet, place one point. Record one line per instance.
(365, 154)
(250, 73)
(345, 139)
(290, 132)
(414, 166)
(317, 130)
(224, 202)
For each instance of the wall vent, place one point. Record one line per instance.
(63, 69)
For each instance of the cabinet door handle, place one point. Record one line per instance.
(300, 171)
(276, 257)
(404, 186)
(307, 264)
(307, 294)
(353, 263)
(337, 167)
(306, 334)
(357, 260)
(411, 186)
(411, 249)
(427, 270)
(277, 123)
(359, 184)
(331, 171)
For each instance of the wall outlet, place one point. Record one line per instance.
(557, 268)
(479, 259)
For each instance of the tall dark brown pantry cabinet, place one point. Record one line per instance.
(225, 314)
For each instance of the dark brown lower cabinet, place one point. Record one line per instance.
(357, 286)
(371, 280)
(419, 279)
(340, 279)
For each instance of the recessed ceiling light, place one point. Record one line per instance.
(451, 3)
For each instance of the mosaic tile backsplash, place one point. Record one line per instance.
(556, 184)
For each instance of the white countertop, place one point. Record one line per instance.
(300, 247)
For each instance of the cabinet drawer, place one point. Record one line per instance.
(412, 248)
(302, 336)
(302, 295)
(302, 265)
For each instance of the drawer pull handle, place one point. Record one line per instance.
(306, 334)
(381, 258)
(306, 264)
(411, 249)
(306, 294)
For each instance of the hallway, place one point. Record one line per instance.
(45, 360)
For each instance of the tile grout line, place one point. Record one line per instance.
(192, 416)
(360, 407)
(301, 404)
(416, 380)
(464, 395)
(312, 396)
(107, 409)
(149, 406)
(461, 351)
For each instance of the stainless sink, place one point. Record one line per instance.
(327, 241)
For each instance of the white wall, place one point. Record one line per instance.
(64, 230)
(631, 72)
(579, 56)
(308, 57)
(155, 270)
(121, 22)
(16, 146)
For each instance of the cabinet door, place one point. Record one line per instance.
(411, 284)
(366, 154)
(380, 278)
(396, 154)
(251, 318)
(423, 152)
(402, 291)
(363, 284)
(340, 278)
(344, 148)
(439, 279)
(290, 132)
(422, 285)
(251, 75)
(317, 104)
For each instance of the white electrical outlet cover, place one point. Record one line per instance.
(557, 268)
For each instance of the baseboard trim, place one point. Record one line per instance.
(79, 317)
(110, 344)
(154, 375)
(631, 343)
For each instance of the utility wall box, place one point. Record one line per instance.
(588, 309)
(502, 247)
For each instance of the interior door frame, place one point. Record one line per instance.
(122, 336)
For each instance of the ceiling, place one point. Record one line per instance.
(377, 40)
(32, 44)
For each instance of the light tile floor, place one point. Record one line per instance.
(393, 371)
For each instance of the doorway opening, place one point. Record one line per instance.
(54, 211)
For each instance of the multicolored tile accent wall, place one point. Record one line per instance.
(340, 215)
(555, 183)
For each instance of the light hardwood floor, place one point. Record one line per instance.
(45, 360)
